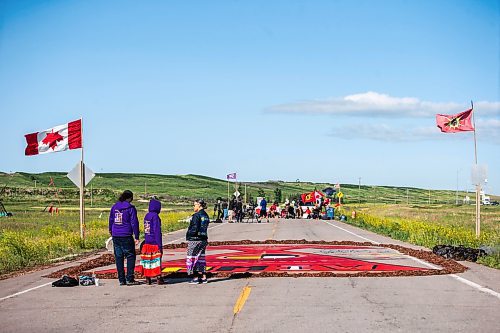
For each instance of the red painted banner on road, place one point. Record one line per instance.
(293, 258)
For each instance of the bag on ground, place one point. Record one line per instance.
(86, 280)
(65, 281)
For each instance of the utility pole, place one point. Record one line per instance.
(407, 196)
(456, 192)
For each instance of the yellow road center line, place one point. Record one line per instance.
(241, 300)
(274, 230)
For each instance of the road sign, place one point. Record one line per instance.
(74, 175)
(340, 194)
(479, 174)
(236, 194)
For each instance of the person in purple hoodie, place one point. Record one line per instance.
(152, 250)
(124, 228)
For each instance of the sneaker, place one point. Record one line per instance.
(123, 283)
(204, 281)
(194, 281)
(133, 283)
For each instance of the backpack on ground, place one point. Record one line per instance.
(65, 281)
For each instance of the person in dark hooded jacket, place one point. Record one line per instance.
(197, 238)
(152, 250)
(124, 227)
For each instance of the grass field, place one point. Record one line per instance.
(430, 225)
(33, 238)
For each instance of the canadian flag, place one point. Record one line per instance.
(58, 138)
(318, 194)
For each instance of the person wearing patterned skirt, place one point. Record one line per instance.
(152, 250)
(197, 238)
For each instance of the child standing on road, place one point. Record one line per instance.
(152, 250)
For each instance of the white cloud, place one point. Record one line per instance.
(486, 130)
(374, 104)
(384, 132)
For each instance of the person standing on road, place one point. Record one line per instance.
(263, 209)
(231, 210)
(123, 228)
(197, 238)
(218, 210)
(152, 250)
(239, 210)
(225, 210)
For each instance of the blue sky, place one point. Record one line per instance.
(311, 90)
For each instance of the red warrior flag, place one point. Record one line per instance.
(455, 123)
(308, 197)
(58, 138)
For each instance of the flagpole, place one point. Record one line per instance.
(474, 124)
(235, 184)
(478, 185)
(82, 190)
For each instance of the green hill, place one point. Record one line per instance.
(183, 188)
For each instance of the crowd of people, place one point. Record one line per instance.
(236, 210)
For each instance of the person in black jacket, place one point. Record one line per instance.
(197, 238)
(239, 210)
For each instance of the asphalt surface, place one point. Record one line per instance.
(455, 303)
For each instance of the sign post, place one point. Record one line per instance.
(479, 175)
(80, 175)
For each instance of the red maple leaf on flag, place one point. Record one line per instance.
(51, 139)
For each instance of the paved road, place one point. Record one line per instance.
(459, 303)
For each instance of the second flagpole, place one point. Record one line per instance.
(478, 185)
